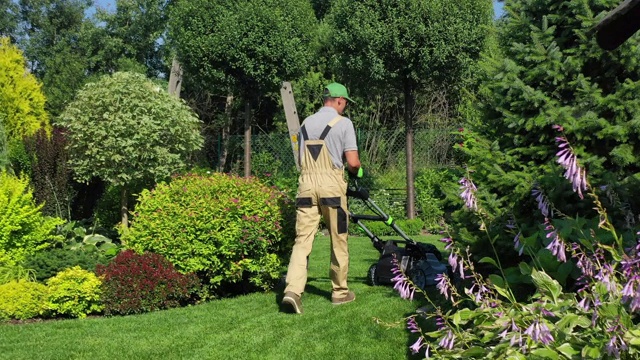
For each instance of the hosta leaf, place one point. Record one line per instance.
(488, 260)
(545, 353)
(546, 285)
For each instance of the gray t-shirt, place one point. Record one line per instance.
(341, 138)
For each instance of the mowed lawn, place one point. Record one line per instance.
(246, 327)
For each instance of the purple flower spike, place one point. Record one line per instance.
(569, 161)
(517, 245)
(412, 325)
(539, 332)
(415, 348)
(447, 341)
(468, 193)
(556, 246)
(448, 241)
(443, 286)
(615, 345)
(585, 304)
(402, 284)
(543, 202)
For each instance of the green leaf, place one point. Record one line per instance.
(462, 317)
(496, 280)
(545, 353)
(525, 269)
(474, 352)
(567, 350)
(563, 271)
(488, 260)
(569, 321)
(500, 286)
(95, 238)
(632, 339)
(546, 285)
(591, 352)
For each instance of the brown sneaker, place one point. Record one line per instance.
(293, 300)
(343, 300)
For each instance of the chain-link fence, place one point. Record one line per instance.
(382, 153)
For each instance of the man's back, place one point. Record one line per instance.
(340, 138)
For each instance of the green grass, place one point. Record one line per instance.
(245, 327)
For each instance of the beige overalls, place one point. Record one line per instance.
(321, 191)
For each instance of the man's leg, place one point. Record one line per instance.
(336, 218)
(307, 220)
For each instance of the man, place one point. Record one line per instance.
(327, 139)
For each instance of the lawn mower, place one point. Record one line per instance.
(419, 261)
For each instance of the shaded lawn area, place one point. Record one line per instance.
(245, 327)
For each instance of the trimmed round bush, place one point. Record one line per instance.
(74, 292)
(136, 283)
(21, 300)
(227, 229)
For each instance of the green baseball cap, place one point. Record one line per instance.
(337, 90)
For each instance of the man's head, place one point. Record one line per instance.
(336, 96)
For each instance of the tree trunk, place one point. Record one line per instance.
(247, 139)
(409, 103)
(124, 209)
(225, 131)
(175, 78)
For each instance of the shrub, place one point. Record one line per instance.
(14, 272)
(150, 132)
(22, 300)
(136, 283)
(84, 246)
(74, 292)
(51, 177)
(226, 228)
(46, 263)
(23, 228)
(430, 195)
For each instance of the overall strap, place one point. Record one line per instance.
(329, 126)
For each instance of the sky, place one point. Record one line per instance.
(497, 8)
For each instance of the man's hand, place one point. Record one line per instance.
(358, 175)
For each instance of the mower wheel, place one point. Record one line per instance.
(372, 276)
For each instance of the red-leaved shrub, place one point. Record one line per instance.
(136, 283)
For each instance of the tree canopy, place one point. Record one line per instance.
(243, 47)
(124, 128)
(406, 45)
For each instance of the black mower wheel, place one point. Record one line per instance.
(372, 277)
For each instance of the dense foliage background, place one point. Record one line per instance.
(89, 134)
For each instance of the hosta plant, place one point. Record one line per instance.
(486, 320)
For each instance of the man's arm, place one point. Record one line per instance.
(353, 161)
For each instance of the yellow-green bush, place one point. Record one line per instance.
(21, 97)
(74, 292)
(227, 229)
(22, 300)
(23, 228)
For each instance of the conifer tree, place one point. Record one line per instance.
(549, 71)
(21, 99)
